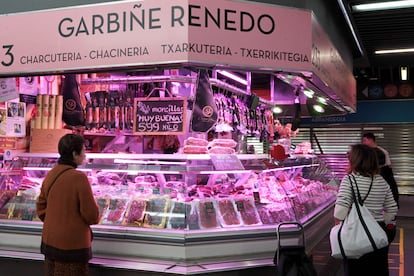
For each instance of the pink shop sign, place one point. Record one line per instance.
(156, 32)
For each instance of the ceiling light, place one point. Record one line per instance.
(383, 6)
(308, 93)
(232, 76)
(394, 51)
(277, 110)
(322, 100)
(404, 73)
(318, 108)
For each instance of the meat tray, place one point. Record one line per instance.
(156, 212)
(115, 213)
(248, 212)
(177, 215)
(228, 215)
(134, 215)
(207, 214)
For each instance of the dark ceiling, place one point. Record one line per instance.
(381, 30)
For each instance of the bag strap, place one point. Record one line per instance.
(54, 180)
(341, 246)
(371, 239)
(361, 201)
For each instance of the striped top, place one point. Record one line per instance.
(380, 201)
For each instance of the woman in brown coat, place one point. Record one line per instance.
(67, 207)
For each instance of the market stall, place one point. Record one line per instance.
(212, 203)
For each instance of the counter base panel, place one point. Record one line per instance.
(223, 255)
(11, 266)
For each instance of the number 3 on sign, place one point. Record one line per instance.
(8, 58)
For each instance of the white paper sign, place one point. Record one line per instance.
(29, 85)
(8, 89)
(12, 120)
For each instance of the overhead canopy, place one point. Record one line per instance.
(216, 34)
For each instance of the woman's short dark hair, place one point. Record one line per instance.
(68, 144)
(363, 160)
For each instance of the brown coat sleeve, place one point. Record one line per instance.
(88, 208)
(41, 205)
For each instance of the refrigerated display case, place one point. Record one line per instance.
(178, 213)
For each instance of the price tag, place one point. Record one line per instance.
(159, 116)
(226, 162)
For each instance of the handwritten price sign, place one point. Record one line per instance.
(159, 116)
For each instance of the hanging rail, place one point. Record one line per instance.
(139, 79)
(149, 79)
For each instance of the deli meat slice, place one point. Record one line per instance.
(248, 211)
(207, 213)
(192, 215)
(228, 214)
(221, 150)
(228, 143)
(5, 196)
(195, 149)
(193, 141)
(265, 216)
(135, 213)
(115, 212)
(279, 212)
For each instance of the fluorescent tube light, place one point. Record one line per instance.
(394, 51)
(404, 73)
(146, 162)
(36, 169)
(135, 172)
(224, 172)
(350, 25)
(294, 167)
(384, 6)
(48, 169)
(232, 76)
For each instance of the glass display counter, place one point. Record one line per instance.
(182, 213)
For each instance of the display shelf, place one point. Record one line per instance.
(184, 253)
(215, 209)
(140, 157)
(284, 193)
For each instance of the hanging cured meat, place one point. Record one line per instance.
(204, 115)
(73, 112)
